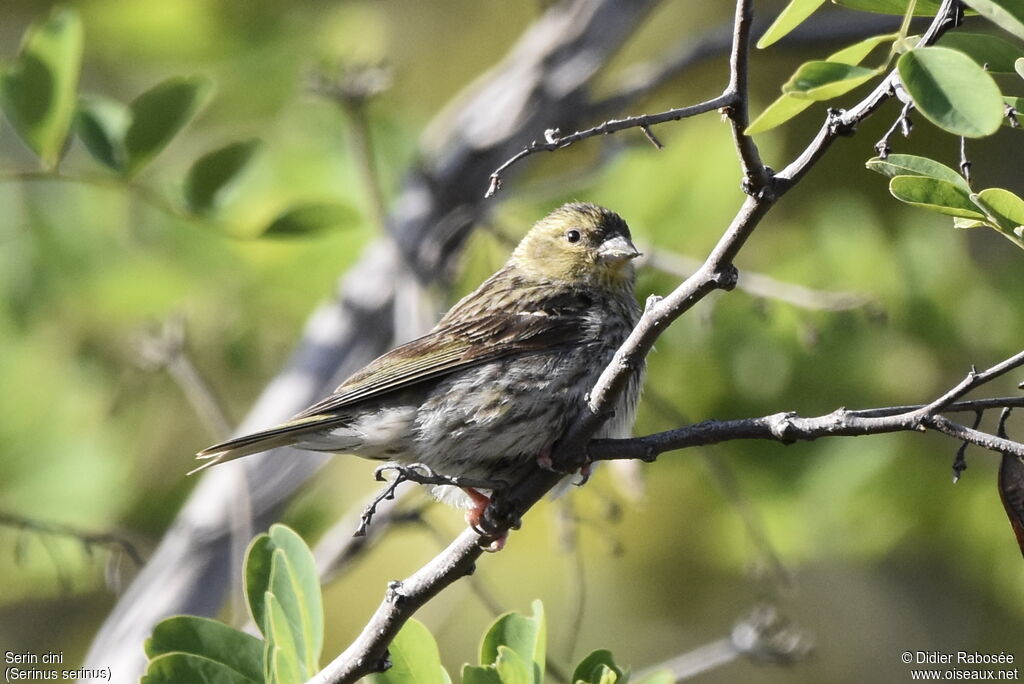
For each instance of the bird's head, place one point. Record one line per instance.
(578, 244)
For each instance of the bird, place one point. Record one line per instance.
(487, 393)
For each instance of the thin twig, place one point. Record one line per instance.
(89, 540)
(553, 141)
(755, 177)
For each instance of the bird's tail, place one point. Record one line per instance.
(272, 438)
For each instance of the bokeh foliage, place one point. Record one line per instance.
(884, 549)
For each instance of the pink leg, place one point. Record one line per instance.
(475, 515)
(544, 460)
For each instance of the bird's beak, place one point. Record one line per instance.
(617, 250)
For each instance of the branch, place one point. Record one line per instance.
(763, 636)
(755, 176)
(367, 652)
(553, 141)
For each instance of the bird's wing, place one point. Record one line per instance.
(454, 345)
(450, 349)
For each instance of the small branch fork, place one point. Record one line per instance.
(368, 653)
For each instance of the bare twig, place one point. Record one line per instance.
(164, 348)
(90, 540)
(553, 141)
(755, 177)
(763, 636)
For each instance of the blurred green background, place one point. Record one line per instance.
(886, 554)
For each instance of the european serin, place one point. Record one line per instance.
(492, 387)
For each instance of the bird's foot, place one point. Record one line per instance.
(585, 471)
(544, 461)
(489, 541)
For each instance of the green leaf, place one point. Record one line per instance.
(284, 664)
(240, 652)
(824, 80)
(158, 114)
(101, 124)
(1018, 108)
(185, 668)
(512, 668)
(304, 580)
(476, 674)
(992, 52)
(1003, 206)
(279, 564)
(792, 16)
(912, 165)
(212, 175)
(788, 106)
(935, 195)
(598, 668)
(951, 91)
(527, 636)
(415, 658)
(1005, 212)
(777, 113)
(1006, 14)
(1018, 66)
(256, 579)
(922, 8)
(37, 89)
(309, 219)
(855, 54)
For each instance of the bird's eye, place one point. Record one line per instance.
(573, 236)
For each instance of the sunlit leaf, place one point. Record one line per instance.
(158, 114)
(792, 16)
(178, 668)
(1006, 14)
(935, 195)
(38, 88)
(512, 668)
(992, 52)
(240, 652)
(922, 8)
(1002, 206)
(912, 165)
(788, 106)
(777, 113)
(855, 54)
(527, 636)
(951, 91)
(309, 219)
(285, 662)
(1018, 66)
(597, 668)
(476, 674)
(415, 658)
(101, 124)
(212, 175)
(279, 565)
(824, 80)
